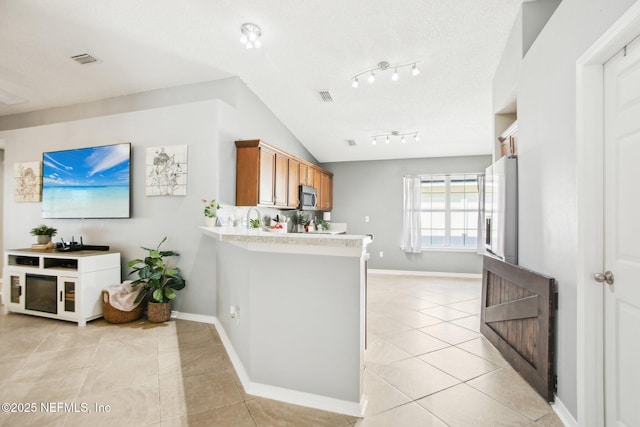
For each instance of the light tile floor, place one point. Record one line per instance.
(426, 365)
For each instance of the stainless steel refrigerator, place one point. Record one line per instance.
(501, 209)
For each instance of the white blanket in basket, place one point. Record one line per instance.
(122, 296)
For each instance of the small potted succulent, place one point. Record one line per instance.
(44, 233)
(159, 282)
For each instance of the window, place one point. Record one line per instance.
(449, 211)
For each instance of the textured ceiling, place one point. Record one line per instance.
(307, 46)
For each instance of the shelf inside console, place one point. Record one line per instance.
(65, 263)
(24, 260)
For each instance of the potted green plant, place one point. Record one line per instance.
(159, 282)
(322, 224)
(210, 211)
(44, 233)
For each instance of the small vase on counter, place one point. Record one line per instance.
(210, 221)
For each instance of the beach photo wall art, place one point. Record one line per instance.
(27, 178)
(166, 171)
(91, 182)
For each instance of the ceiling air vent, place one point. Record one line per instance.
(325, 96)
(352, 142)
(84, 58)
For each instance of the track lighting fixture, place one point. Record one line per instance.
(382, 66)
(250, 36)
(395, 134)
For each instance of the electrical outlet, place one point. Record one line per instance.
(381, 254)
(366, 218)
(234, 312)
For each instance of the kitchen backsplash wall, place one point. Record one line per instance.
(237, 215)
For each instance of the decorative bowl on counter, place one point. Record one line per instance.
(277, 228)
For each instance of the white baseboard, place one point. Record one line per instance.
(305, 399)
(282, 394)
(563, 413)
(194, 317)
(427, 273)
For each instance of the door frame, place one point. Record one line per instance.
(590, 190)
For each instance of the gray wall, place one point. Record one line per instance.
(374, 189)
(188, 115)
(547, 161)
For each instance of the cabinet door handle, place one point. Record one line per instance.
(60, 296)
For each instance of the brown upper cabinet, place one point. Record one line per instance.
(306, 175)
(326, 192)
(267, 176)
(294, 183)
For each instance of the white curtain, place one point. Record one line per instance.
(480, 244)
(411, 224)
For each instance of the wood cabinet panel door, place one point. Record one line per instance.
(317, 180)
(281, 182)
(247, 171)
(326, 193)
(267, 174)
(294, 183)
(303, 174)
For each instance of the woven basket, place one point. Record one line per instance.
(158, 312)
(113, 315)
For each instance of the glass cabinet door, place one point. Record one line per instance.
(67, 289)
(16, 282)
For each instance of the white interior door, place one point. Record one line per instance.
(622, 237)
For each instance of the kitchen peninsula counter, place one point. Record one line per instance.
(307, 243)
(291, 313)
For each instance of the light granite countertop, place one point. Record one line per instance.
(300, 243)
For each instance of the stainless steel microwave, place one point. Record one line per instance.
(308, 197)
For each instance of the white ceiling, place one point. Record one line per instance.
(307, 46)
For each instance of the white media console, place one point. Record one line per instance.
(60, 285)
